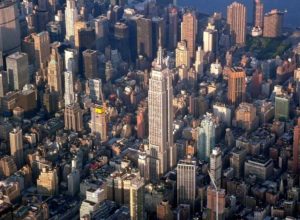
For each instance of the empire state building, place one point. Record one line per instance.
(160, 96)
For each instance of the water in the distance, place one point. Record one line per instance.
(292, 18)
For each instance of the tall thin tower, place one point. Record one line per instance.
(160, 96)
(236, 19)
(189, 31)
(71, 15)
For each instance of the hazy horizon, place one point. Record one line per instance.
(210, 6)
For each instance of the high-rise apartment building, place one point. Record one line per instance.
(236, 85)
(47, 182)
(182, 55)
(7, 166)
(160, 97)
(186, 182)
(199, 62)
(236, 19)
(144, 37)
(10, 34)
(17, 69)
(71, 16)
(206, 136)
(215, 165)
(245, 116)
(189, 31)
(16, 146)
(273, 22)
(258, 13)
(99, 122)
(73, 117)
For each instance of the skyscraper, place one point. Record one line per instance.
(160, 97)
(296, 148)
(186, 182)
(69, 88)
(210, 39)
(42, 49)
(90, 60)
(273, 24)
(182, 55)
(99, 122)
(172, 28)
(258, 13)
(236, 85)
(137, 199)
(10, 36)
(73, 117)
(71, 60)
(17, 69)
(236, 19)
(215, 165)
(199, 63)
(144, 37)
(55, 68)
(206, 136)
(16, 146)
(71, 15)
(47, 182)
(189, 31)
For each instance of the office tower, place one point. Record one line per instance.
(172, 28)
(99, 122)
(71, 60)
(42, 49)
(47, 182)
(245, 117)
(210, 39)
(163, 210)
(273, 23)
(143, 165)
(182, 55)
(215, 165)
(261, 167)
(16, 146)
(121, 40)
(223, 112)
(189, 31)
(186, 182)
(71, 16)
(73, 117)
(79, 25)
(90, 60)
(158, 33)
(206, 136)
(55, 68)
(237, 161)
(17, 70)
(258, 13)
(236, 85)
(282, 107)
(160, 97)
(94, 89)
(296, 148)
(101, 32)
(137, 199)
(10, 36)
(215, 204)
(73, 182)
(236, 19)
(7, 166)
(144, 37)
(3, 83)
(86, 38)
(199, 63)
(69, 95)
